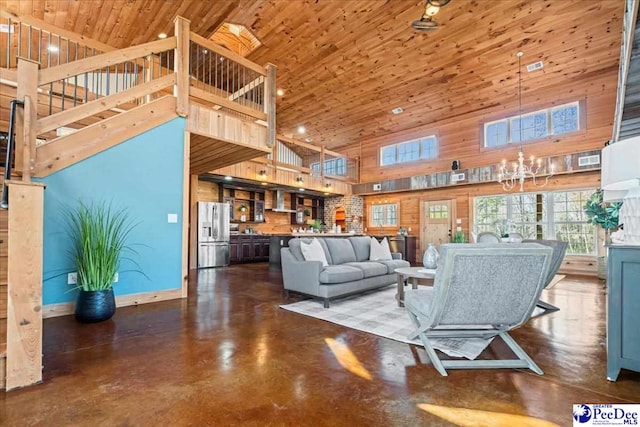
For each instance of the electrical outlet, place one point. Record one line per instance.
(72, 278)
(115, 278)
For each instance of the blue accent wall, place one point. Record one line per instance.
(143, 175)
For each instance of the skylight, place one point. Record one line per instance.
(236, 38)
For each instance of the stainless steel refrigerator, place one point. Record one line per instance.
(213, 234)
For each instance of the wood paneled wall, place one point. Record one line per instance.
(460, 137)
(409, 205)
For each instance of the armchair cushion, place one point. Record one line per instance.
(380, 251)
(340, 274)
(341, 250)
(369, 268)
(312, 251)
(361, 245)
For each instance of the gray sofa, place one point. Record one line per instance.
(349, 270)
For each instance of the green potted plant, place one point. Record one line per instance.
(99, 238)
(307, 212)
(605, 215)
(459, 237)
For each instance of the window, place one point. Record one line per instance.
(533, 126)
(570, 222)
(337, 166)
(409, 151)
(438, 212)
(557, 215)
(384, 215)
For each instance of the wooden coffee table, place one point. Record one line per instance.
(412, 274)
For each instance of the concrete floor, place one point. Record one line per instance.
(228, 355)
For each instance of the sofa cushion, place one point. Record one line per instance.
(361, 246)
(379, 250)
(313, 251)
(340, 274)
(369, 268)
(394, 263)
(341, 251)
(294, 247)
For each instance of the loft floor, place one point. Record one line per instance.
(229, 356)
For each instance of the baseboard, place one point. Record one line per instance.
(66, 308)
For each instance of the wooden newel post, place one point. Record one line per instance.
(26, 118)
(270, 103)
(181, 66)
(24, 283)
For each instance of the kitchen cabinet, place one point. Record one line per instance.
(623, 317)
(252, 201)
(247, 248)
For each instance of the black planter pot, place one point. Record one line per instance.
(95, 306)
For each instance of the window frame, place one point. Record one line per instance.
(420, 155)
(335, 164)
(549, 225)
(385, 220)
(580, 119)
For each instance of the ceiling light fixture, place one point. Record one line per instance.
(510, 178)
(162, 35)
(302, 130)
(397, 110)
(426, 22)
(280, 92)
(228, 178)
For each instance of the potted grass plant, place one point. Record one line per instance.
(99, 239)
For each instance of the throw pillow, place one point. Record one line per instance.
(380, 251)
(313, 251)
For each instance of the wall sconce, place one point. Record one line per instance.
(263, 174)
(300, 180)
(328, 186)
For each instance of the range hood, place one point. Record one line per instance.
(278, 202)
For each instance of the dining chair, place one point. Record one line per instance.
(488, 237)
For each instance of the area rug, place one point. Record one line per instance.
(377, 313)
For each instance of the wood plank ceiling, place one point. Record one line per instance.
(344, 64)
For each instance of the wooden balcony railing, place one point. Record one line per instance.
(77, 89)
(33, 39)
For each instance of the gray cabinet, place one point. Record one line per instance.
(623, 316)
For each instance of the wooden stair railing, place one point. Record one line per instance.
(100, 111)
(3, 295)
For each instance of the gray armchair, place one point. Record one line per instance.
(480, 291)
(559, 249)
(487, 237)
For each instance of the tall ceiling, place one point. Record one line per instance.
(345, 64)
